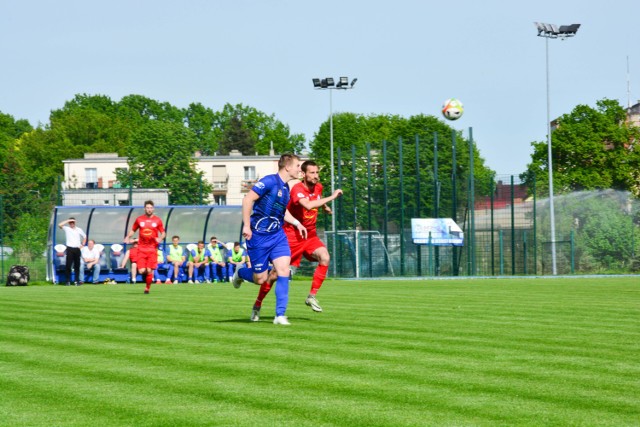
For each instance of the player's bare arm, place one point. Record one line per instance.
(247, 207)
(293, 221)
(313, 204)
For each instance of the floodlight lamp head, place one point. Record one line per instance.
(344, 81)
(353, 82)
(316, 82)
(568, 30)
(330, 81)
(547, 30)
(323, 84)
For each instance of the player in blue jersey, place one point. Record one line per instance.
(264, 211)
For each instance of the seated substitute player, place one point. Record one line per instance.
(199, 266)
(218, 265)
(306, 198)
(236, 259)
(176, 258)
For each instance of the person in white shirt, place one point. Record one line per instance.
(90, 261)
(75, 240)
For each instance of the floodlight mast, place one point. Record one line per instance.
(550, 31)
(329, 84)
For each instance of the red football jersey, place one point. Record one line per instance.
(150, 228)
(306, 217)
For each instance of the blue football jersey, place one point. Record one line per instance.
(269, 209)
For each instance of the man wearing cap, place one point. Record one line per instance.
(75, 240)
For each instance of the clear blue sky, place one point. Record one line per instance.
(408, 56)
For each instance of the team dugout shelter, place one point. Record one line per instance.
(108, 226)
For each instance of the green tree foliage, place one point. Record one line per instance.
(592, 148)
(201, 121)
(265, 130)
(29, 237)
(605, 227)
(10, 129)
(140, 109)
(161, 156)
(19, 193)
(237, 137)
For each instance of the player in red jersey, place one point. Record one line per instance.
(151, 233)
(306, 198)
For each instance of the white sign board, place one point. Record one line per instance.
(436, 232)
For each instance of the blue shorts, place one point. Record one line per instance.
(265, 247)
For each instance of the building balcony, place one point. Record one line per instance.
(220, 187)
(247, 184)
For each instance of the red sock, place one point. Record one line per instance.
(148, 278)
(264, 290)
(318, 278)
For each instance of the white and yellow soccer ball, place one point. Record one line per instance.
(452, 109)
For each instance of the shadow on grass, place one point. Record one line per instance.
(265, 320)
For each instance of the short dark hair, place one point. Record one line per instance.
(175, 237)
(307, 164)
(149, 202)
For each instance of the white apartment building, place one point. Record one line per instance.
(92, 179)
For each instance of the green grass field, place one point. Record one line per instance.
(384, 353)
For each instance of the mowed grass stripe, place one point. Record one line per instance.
(352, 367)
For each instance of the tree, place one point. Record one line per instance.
(265, 130)
(201, 121)
(237, 137)
(10, 130)
(161, 156)
(592, 148)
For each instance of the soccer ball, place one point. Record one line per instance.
(452, 109)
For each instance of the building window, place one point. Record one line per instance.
(91, 179)
(219, 178)
(220, 200)
(249, 173)
(249, 179)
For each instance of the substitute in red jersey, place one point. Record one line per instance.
(306, 198)
(151, 233)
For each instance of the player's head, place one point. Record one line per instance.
(200, 244)
(310, 171)
(291, 164)
(175, 240)
(149, 207)
(236, 246)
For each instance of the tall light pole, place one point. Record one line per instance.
(551, 31)
(329, 84)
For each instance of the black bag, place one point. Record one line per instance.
(18, 276)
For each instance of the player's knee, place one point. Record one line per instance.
(323, 257)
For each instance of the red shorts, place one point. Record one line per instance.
(306, 247)
(147, 259)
